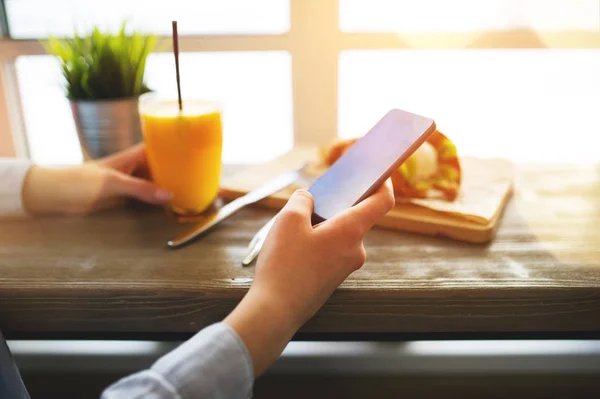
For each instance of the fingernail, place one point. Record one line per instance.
(304, 192)
(162, 195)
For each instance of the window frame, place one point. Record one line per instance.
(314, 42)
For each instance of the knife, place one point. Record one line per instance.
(304, 180)
(269, 188)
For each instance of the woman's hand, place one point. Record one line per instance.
(92, 186)
(299, 268)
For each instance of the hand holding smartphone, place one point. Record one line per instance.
(369, 162)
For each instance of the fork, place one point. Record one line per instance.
(259, 238)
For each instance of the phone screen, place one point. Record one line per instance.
(369, 162)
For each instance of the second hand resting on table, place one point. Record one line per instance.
(299, 267)
(92, 186)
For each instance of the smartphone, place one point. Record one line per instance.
(369, 162)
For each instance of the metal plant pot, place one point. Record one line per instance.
(107, 126)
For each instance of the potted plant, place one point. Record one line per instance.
(104, 75)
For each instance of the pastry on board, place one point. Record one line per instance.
(433, 171)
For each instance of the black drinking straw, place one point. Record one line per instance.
(176, 53)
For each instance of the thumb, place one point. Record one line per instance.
(140, 189)
(299, 207)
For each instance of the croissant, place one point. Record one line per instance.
(433, 169)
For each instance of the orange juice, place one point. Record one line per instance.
(184, 150)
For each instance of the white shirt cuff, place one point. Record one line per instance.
(12, 176)
(214, 363)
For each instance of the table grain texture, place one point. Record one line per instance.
(111, 274)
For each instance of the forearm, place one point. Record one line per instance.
(69, 190)
(265, 326)
(212, 364)
(44, 190)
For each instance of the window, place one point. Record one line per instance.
(500, 77)
(492, 103)
(254, 88)
(31, 19)
(466, 15)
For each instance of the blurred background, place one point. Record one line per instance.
(516, 79)
(507, 78)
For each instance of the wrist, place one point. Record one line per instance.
(43, 191)
(264, 326)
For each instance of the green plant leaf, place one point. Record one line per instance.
(102, 65)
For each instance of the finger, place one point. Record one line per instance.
(143, 190)
(371, 209)
(366, 213)
(136, 161)
(299, 207)
(142, 167)
(127, 160)
(126, 154)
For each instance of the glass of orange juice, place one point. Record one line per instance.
(184, 149)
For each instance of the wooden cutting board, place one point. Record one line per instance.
(423, 217)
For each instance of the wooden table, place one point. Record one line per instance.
(111, 275)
